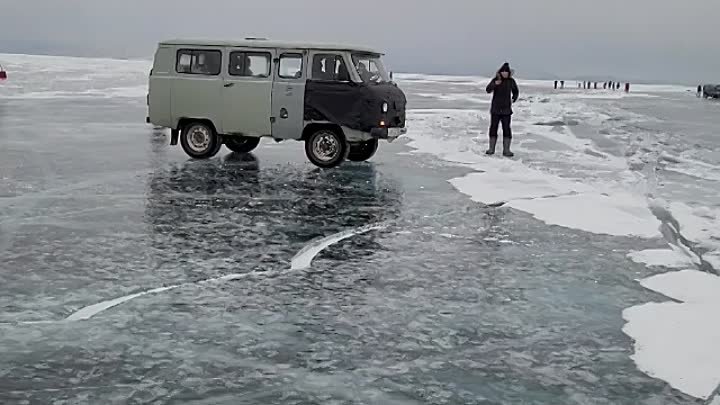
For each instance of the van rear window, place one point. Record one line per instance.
(199, 62)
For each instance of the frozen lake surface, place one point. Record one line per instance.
(584, 271)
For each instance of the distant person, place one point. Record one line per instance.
(556, 83)
(505, 92)
(627, 87)
(699, 90)
(562, 84)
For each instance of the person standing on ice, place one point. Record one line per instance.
(505, 92)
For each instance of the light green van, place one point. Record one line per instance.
(338, 99)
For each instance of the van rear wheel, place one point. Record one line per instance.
(326, 148)
(362, 151)
(241, 144)
(200, 141)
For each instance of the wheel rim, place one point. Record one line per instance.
(326, 147)
(199, 139)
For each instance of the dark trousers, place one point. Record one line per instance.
(495, 121)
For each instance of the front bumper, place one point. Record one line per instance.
(390, 134)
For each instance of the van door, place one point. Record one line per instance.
(197, 84)
(288, 98)
(247, 92)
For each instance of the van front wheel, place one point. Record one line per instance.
(200, 141)
(326, 148)
(241, 144)
(362, 151)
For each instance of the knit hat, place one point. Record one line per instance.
(505, 68)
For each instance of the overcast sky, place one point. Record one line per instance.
(663, 40)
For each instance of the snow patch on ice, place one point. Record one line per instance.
(677, 341)
(621, 214)
(661, 257)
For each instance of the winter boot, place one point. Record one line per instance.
(493, 142)
(506, 147)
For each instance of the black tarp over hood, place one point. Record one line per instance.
(353, 105)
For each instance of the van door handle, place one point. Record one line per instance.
(228, 84)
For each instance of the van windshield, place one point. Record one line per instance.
(370, 68)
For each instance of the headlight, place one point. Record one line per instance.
(385, 107)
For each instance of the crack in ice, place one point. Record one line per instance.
(303, 259)
(540, 197)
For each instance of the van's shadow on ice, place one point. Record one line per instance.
(231, 210)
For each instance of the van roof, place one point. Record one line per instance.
(265, 43)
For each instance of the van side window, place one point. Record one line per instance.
(249, 64)
(199, 62)
(330, 67)
(291, 65)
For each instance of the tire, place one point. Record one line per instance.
(362, 151)
(326, 148)
(241, 144)
(200, 141)
(218, 146)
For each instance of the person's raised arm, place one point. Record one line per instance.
(515, 91)
(493, 83)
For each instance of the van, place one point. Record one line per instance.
(711, 91)
(338, 99)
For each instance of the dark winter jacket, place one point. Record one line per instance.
(504, 95)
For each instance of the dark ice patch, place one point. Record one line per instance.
(594, 153)
(670, 159)
(559, 123)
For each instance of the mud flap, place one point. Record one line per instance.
(174, 135)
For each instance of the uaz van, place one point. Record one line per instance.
(338, 99)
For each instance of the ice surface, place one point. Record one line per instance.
(677, 342)
(463, 304)
(604, 175)
(661, 257)
(600, 208)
